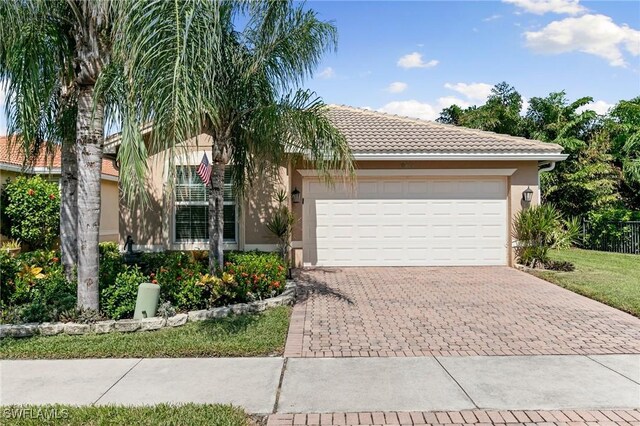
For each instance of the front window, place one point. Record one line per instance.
(192, 207)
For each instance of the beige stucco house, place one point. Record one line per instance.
(12, 164)
(424, 193)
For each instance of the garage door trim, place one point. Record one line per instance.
(500, 256)
(413, 172)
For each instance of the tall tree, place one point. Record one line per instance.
(587, 180)
(236, 83)
(52, 56)
(502, 110)
(500, 113)
(91, 28)
(623, 126)
(35, 65)
(451, 115)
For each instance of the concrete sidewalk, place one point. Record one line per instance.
(330, 385)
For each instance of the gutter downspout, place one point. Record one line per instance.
(547, 166)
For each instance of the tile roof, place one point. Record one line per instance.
(376, 132)
(11, 155)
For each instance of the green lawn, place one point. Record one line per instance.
(243, 335)
(609, 278)
(188, 414)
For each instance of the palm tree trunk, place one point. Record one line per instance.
(90, 138)
(216, 216)
(69, 208)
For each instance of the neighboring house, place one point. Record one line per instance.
(425, 194)
(12, 165)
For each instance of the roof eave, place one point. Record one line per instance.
(514, 156)
(43, 170)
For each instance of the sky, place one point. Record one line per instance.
(415, 58)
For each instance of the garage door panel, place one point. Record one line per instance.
(413, 221)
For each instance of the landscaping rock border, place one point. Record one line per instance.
(287, 297)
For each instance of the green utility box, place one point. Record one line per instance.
(147, 301)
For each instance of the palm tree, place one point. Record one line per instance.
(35, 64)
(237, 84)
(90, 26)
(52, 54)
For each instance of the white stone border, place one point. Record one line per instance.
(287, 297)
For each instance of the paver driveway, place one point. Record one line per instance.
(449, 311)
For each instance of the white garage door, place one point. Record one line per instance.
(412, 221)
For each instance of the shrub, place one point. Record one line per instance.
(281, 225)
(31, 269)
(9, 267)
(119, 300)
(44, 298)
(166, 310)
(56, 293)
(216, 289)
(178, 276)
(80, 315)
(111, 263)
(540, 228)
(32, 209)
(33, 287)
(257, 275)
(604, 224)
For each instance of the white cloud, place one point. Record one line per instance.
(411, 108)
(477, 91)
(397, 87)
(423, 110)
(540, 7)
(414, 60)
(600, 107)
(492, 18)
(594, 34)
(327, 73)
(447, 101)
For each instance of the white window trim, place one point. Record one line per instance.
(190, 244)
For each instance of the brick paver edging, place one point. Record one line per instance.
(287, 297)
(475, 417)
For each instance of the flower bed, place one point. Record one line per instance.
(147, 324)
(33, 288)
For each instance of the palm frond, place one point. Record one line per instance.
(34, 69)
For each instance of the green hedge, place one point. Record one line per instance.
(31, 211)
(33, 287)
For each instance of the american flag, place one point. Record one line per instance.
(204, 170)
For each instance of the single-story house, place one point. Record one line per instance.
(424, 194)
(12, 165)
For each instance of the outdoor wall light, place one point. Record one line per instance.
(295, 195)
(527, 195)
